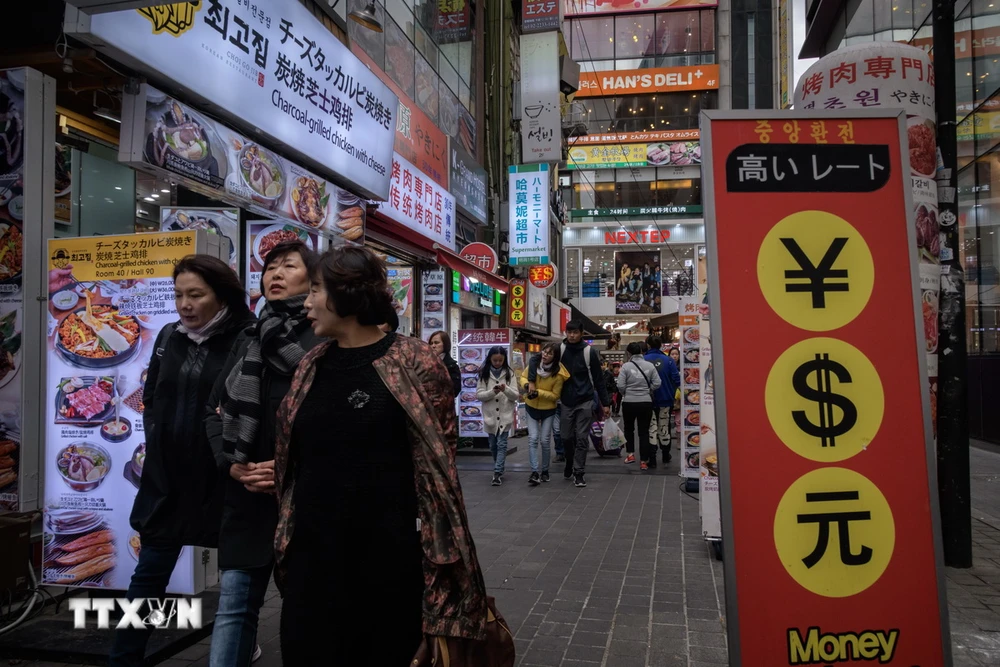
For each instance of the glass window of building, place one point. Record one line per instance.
(637, 113)
(592, 39)
(635, 35)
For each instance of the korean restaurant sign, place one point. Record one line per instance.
(838, 559)
(484, 337)
(541, 121)
(467, 182)
(539, 15)
(586, 7)
(420, 204)
(529, 214)
(659, 154)
(653, 80)
(284, 75)
(636, 211)
(636, 137)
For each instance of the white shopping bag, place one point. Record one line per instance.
(613, 436)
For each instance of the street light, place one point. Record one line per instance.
(366, 17)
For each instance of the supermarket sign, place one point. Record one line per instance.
(631, 156)
(640, 211)
(653, 80)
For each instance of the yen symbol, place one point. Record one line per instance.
(817, 275)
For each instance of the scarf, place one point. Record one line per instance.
(274, 344)
(210, 328)
(546, 372)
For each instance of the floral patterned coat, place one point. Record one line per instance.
(455, 593)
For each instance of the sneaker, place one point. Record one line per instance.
(560, 458)
(256, 653)
(579, 481)
(497, 479)
(534, 479)
(545, 475)
(643, 466)
(568, 476)
(630, 458)
(666, 456)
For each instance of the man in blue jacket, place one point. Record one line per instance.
(663, 398)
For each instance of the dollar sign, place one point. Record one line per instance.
(827, 430)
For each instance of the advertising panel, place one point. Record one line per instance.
(285, 73)
(262, 236)
(833, 399)
(433, 306)
(468, 183)
(638, 284)
(539, 15)
(401, 285)
(637, 211)
(652, 80)
(420, 204)
(653, 136)
(529, 214)
(115, 295)
(689, 410)
(223, 222)
(473, 346)
(537, 316)
(541, 122)
(659, 154)
(517, 305)
(587, 7)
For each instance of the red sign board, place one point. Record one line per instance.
(539, 15)
(830, 520)
(638, 236)
(542, 276)
(484, 337)
(481, 255)
(517, 303)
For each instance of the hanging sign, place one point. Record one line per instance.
(517, 305)
(482, 255)
(660, 154)
(420, 204)
(542, 276)
(539, 16)
(837, 560)
(541, 123)
(529, 214)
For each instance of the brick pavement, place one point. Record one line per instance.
(617, 574)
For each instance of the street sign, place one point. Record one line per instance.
(830, 518)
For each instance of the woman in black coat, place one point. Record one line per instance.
(179, 501)
(441, 345)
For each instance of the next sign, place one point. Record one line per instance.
(643, 236)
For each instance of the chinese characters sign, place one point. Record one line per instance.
(653, 80)
(453, 21)
(841, 548)
(661, 154)
(517, 305)
(468, 183)
(482, 255)
(636, 137)
(636, 211)
(284, 72)
(417, 202)
(529, 214)
(541, 124)
(539, 15)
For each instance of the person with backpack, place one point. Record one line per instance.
(663, 398)
(637, 382)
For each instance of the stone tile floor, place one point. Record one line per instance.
(618, 575)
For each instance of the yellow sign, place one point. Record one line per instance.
(815, 270)
(617, 155)
(130, 257)
(174, 19)
(517, 291)
(834, 532)
(824, 400)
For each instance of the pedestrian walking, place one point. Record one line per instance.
(441, 345)
(637, 382)
(663, 397)
(498, 394)
(542, 403)
(180, 495)
(372, 529)
(241, 428)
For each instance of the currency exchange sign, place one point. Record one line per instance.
(829, 499)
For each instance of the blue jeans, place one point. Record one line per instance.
(539, 433)
(557, 430)
(235, 632)
(149, 580)
(498, 448)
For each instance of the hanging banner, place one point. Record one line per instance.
(645, 81)
(541, 122)
(689, 407)
(887, 74)
(473, 345)
(814, 244)
(540, 16)
(262, 236)
(635, 137)
(433, 306)
(637, 288)
(224, 222)
(660, 154)
(529, 214)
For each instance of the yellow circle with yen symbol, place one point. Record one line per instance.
(815, 270)
(834, 532)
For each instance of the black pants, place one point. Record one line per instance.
(643, 413)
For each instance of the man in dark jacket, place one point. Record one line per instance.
(577, 400)
(663, 398)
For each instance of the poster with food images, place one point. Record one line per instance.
(401, 285)
(12, 195)
(708, 487)
(109, 297)
(433, 306)
(473, 348)
(261, 238)
(224, 222)
(689, 406)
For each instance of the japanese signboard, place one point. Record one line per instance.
(482, 255)
(286, 76)
(585, 7)
(543, 276)
(104, 317)
(467, 182)
(517, 305)
(659, 154)
(453, 21)
(539, 15)
(834, 397)
(689, 409)
(652, 80)
(420, 204)
(636, 137)
(434, 305)
(541, 123)
(634, 211)
(473, 347)
(529, 214)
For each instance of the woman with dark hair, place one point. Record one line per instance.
(542, 402)
(497, 391)
(441, 345)
(179, 501)
(240, 423)
(370, 529)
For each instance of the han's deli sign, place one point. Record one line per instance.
(655, 80)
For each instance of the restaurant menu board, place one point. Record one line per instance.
(223, 222)
(473, 346)
(433, 306)
(11, 297)
(109, 298)
(708, 488)
(836, 557)
(690, 403)
(181, 140)
(262, 236)
(401, 285)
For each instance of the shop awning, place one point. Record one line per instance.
(590, 327)
(458, 263)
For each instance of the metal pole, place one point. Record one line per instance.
(952, 414)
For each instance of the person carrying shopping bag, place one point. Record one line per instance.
(637, 383)
(542, 404)
(497, 391)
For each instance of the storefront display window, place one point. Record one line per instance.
(642, 35)
(642, 189)
(598, 268)
(637, 113)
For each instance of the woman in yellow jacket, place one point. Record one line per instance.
(541, 399)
